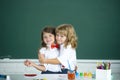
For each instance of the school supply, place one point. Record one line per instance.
(103, 65)
(30, 75)
(7, 77)
(103, 71)
(3, 76)
(86, 74)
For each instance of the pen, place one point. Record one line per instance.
(109, 65)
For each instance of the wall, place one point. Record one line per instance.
(97, 24)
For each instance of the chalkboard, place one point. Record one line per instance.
(97, 24)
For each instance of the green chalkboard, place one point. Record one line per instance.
(97, 24)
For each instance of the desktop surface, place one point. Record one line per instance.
(115, 76)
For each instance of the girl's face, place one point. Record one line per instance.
(48, 38)
(60, 38)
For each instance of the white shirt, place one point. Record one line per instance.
(49, 54)
(67, 57)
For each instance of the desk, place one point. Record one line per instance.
(115, 76)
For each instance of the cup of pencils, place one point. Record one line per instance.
(103, 71)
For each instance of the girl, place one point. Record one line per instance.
(67, 39)
(49, 50)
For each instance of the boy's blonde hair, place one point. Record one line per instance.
(69, 32)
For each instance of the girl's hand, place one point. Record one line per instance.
(76, 68)
(28, 63)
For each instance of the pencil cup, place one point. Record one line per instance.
(103, 74)
(71, 75)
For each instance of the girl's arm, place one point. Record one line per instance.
(51, 61)
(40, 57)
(30, 63)
(48, 61)
(39, 67)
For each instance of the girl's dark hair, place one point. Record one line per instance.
(48, 29)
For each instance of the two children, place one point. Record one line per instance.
(67, 39)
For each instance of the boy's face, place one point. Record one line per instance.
(60, 38)
(48, 38)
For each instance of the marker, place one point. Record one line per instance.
(8, 77)
(89, 75)
(81, 74)
(109, 65)
(104, 65)
(77, 74)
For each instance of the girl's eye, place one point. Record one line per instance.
(62, 36)
(57, 35)
(50, 35)
(44, 37)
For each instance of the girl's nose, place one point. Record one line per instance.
(58, 37)
(48, 39)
